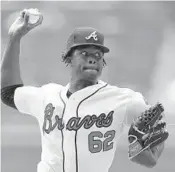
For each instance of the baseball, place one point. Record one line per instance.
(34, 16)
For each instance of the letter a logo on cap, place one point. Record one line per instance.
(92, 35)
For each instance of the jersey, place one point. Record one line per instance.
(79, 133)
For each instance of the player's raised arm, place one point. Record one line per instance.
(10, 69)
(10, 61)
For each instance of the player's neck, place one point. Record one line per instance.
(76, 85)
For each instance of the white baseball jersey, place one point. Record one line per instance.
(80, 133)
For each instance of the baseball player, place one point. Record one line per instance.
(80, 123)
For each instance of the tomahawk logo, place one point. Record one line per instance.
(92, 35)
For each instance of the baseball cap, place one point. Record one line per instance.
(86, 36)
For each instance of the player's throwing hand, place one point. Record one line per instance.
(22, 26)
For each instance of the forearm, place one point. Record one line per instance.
(10, 69)
(149, 157)
(157, 150)
(145, 158)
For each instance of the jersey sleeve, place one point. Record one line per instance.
(29, 100)
(135, 107)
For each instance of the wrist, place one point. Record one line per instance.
(14, 38)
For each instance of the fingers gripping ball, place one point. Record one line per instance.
(22, 25)
(147, 130)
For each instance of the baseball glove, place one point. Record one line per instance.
(147, 131)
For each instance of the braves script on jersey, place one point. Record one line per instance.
(78, 134)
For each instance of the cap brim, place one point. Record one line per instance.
(105, 49)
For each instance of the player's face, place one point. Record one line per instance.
(87, 63)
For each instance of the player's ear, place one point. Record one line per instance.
(71, 55)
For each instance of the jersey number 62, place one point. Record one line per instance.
(97, 145)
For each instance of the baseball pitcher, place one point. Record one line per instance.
(81, 123)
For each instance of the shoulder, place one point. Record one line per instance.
(132, 96)
(51, 87)
(137, 103)
(123, 91)
(135, 99)
(36, 91)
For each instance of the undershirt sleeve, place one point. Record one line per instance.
(7, 95)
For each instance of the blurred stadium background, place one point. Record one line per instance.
(141, 36)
